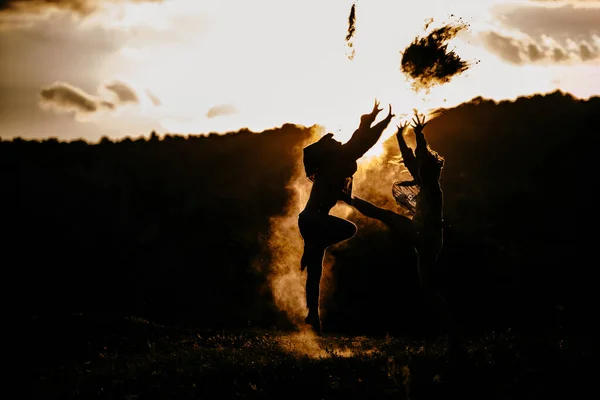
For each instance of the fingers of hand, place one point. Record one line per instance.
(376, 106)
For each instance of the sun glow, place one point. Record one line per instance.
(289, 68)
(219, 66)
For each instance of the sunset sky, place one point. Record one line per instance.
(92, 68)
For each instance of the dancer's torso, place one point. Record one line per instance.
(328, 185)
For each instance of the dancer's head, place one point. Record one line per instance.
(320, 154)
(430, 167)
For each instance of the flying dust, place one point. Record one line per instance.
(286, 282)
(351, 31)
(306, 344)
(285, 279)
(428, 62)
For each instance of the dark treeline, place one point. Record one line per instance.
(153, 226)
(519, 187)
(170, 228)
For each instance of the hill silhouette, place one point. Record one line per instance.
(171, 228)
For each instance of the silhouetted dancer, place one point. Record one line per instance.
(330, 165)
(425, 230)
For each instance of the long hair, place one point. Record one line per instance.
(431, 165)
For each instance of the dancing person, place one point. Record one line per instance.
(424, 232)
(330, 165)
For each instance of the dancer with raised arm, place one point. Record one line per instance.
(425, 230)
(330, 165)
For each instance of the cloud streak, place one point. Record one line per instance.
(80, 7)
(546, 50)
(155, 100)
(63, 97)
(19, 14)
(123, 92)
(221, 110)
(567, 21)
(546, 32)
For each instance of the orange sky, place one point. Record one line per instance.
(88, 68)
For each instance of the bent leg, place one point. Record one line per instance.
(402, 226)
(319, 233)
(337, 230)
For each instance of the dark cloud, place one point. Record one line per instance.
(519, 52)
(83, 7)
(80, 7)
(62, 96)
(123, 92)
(19, 14)
(223, 109)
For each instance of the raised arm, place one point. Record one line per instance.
(366, 136)
(367, 119)
(408, 157)
(418, 125)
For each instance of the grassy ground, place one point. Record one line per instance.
(135, 359)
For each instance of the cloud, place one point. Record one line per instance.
(566, 1)
(546, 32)
(155, 100)
(63, 97)
(528, 50)
(17, 14)
(567, 21)
(220, 110)
(507, 48)
(80, 7)
(123, 92)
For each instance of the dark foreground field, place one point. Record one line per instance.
(85, 357)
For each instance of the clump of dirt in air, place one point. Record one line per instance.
(428, 62)
(351, 30)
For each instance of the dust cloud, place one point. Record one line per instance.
(373, 181)
(286, 281)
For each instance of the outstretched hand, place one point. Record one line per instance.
(390, 114)
(402, 127)
(418, 123)
(368, 119)
(376, 110)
